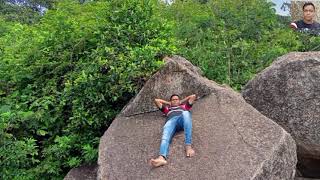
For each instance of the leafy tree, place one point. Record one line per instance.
(68, 76)
(27, 11)
(231, 40)
(64, 78)
(18, 13)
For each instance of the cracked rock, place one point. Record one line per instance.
(288, 92)
(232, 140)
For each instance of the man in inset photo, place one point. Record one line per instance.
(308, 22)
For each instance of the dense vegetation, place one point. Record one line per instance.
(64, 79)
(66, 73)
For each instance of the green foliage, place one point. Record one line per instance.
(310, 42)
(28, 11)
(230, 40)
(4, 26)
(14, 12)
(64, 80)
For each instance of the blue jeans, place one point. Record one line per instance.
(173, 125)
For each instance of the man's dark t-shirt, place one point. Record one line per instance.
(311, 28)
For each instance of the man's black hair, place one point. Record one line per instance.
(173, 96)
(308, 4)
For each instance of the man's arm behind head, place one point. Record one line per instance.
(190, 99)
(159, 103)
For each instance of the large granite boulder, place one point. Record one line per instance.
(288, 92)
(301, 178)
(232, 140)
(85, 172)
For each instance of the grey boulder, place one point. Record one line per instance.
(288, 92)
(85, 172)
(232, 140)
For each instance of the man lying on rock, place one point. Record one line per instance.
(178, 118)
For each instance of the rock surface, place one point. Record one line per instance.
(232, 140)
(88, 172)
(302, 178)
(288, 92)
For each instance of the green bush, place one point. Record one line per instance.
(230, 40)
(66, 78)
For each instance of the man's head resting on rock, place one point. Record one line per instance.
(175, 100)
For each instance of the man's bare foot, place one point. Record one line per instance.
(160, 161)
(189, 151)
